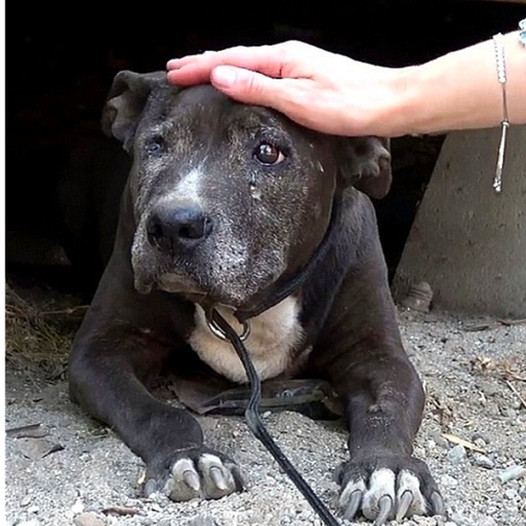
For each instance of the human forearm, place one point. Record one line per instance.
(460, 90)
(335, 94)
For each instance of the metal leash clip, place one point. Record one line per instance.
(219, 333)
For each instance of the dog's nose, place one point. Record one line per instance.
(172, 229)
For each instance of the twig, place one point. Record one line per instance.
(516, 393)
(29, 431)
(458, 440)
(121, 510)
(506, 321)
(68, 310)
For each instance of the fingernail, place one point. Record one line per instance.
(223, 76)
(172, 64)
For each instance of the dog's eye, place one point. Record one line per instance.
(154, 146)
(268, 154)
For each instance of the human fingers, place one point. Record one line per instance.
(196, 69)
(302, 100)
(251, 87)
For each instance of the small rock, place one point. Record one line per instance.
(489, 388)
(487, 521)
(483, 461)
(440, 440)
(88, 518)
(32, 522)
(418, 297)
(480, 439)
(492, 408)
(37, 448)
(511, 494)
(202, 520)
(512, 473)
(449, 481)
(516, 404)
(460, 519)
(78, 507)
(508, 412)
(457, 454)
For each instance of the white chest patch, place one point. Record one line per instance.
(273, 336)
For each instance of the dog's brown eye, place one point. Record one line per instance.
(268, 154)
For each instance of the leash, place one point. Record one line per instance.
(258, 428)
(222, 329)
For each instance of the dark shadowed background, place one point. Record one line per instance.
(61, 58)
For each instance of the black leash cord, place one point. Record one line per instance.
(260, 431)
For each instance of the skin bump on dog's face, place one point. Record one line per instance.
(228, 197)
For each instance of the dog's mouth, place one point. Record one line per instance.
(178, 284)
(181, 285)
(207, 296)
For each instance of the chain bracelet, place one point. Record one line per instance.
(500, 59)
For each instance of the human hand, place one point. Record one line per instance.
(318, 89)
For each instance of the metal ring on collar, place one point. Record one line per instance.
(219, 333)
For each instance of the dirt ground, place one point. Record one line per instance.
(63, 468)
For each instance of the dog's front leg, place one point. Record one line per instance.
(106, 374)
(361, 354)
(383, 402)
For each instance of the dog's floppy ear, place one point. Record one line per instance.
(366, 165)
(125, 102)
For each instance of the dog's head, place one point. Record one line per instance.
(227, 197)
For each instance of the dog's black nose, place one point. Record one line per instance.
(172, 229)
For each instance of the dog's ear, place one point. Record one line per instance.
(125, 102)
(367, 165)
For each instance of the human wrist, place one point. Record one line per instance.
(383, 112)
(456, 91)
(393, 111)
(420, 100)
(403, 106)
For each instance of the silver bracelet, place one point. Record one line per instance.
(501, 77)
(500, 57)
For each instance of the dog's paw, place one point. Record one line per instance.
(388, 488)
(198, 473)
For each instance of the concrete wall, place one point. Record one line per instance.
(468, 242)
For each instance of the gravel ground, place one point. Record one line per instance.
(67, 469)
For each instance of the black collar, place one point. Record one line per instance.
(285, 288)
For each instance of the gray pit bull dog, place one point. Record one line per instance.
(224, 206)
